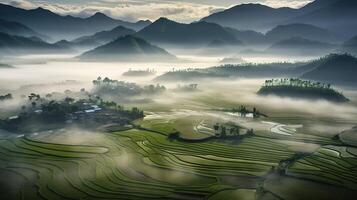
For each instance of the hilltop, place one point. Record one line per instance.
(128, 48)
(300, 46)
(297, 88)
(10, 44)
(165, 31)
(335, 68)
(104, 37)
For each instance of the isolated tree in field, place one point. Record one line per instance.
(237, 130)
(216, 127)
(223, 131)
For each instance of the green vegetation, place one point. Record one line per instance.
(335, 165)
(45, 114)
(302, 89)
(245, 70)
(147, 72)
(187, 88)
(137, 164)
(108, 86)
(5, 97)
(244, 111)
(5, 66)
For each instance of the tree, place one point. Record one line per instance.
(34, 96)
(223, 131)
(68, 100)
(216, 126)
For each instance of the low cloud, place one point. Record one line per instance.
(129, 10)
(23, 4)
(286, 3)
(133, 10)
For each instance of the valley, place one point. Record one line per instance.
(178, 100)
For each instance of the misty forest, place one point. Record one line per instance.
(142, 100)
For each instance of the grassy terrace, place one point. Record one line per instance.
(330, 164)
(137, 164)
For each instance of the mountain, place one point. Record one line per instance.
(316, 5)
(248, 37)
(104, 37)
(165, 31)
(60, 27)
(10, 44)
(251, 17)
(335, 15)
(283, 32)
(335, 68)
(300, 46)
(14, 28)
(127, 48)
(217, 44)
(350, 46)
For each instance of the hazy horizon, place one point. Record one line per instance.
(180, 10)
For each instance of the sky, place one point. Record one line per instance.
(133, 10)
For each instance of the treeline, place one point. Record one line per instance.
(301, 89)
(109, 86)
(41, 112)
(6, 97)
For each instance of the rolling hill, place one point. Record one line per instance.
(251, 17)
(5, 66)
(300, 46)
(248, 37)
(335, 68)
(127, 48)
(350, 46)
(283, 32)
(104, 37)
(165, 31)
(337, 16)
(15, 28)
(10, 44)
(59, 27)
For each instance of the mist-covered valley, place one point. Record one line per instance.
(260, 107)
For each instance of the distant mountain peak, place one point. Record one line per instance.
(127, 48)
(251, 5)
(144, 21)
(256, 6)
(165, 20)
(40, 8)
(43, 11)
(99, 15)
(119, 28)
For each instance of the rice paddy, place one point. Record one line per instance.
(136, 164)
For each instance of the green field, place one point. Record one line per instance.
(137, 164)
(281, 160)
(335, 165)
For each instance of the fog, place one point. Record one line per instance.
(43, 74)
(56, 73)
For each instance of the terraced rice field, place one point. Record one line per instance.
(336, 165)
(137, 164)
(143, 163)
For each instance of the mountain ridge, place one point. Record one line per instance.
(165, 31)
(63, 27)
